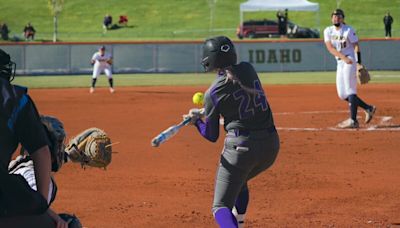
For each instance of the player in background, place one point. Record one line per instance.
(102, 61)
(20, 123)
(251, 143)
(342, 42)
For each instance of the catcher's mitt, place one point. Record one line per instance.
(91, 147)
(363, 76)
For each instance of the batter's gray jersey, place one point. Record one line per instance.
(240, 109)
(252, 143)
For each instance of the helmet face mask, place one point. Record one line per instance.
(7, 67)
(218, 52)
(56, 135)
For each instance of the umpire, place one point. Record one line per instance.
(20, 206)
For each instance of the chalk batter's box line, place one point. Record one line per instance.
(371, 128)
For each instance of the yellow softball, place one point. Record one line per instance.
(198, 98)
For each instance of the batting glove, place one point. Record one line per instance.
(194, 114)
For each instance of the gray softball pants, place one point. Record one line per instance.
(245, 155)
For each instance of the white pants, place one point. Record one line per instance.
(98, 69)
(346, 79)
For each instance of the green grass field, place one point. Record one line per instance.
(81, 20)
(190, 79)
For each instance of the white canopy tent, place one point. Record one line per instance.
(275, 5)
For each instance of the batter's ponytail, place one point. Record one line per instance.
(230, 76)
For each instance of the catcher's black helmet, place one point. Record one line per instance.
(56, 136)
(338, 12)
(7, 67)
(218, 52)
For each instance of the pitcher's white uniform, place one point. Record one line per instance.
(343, 41)
(102, 63)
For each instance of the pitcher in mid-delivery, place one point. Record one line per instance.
(342, 42)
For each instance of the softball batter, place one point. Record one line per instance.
(102, 61)
(251, 143)
(342, 42)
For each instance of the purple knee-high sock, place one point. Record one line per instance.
(225, 218)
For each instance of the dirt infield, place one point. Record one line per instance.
(323, 177)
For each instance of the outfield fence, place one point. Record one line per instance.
(185, 56)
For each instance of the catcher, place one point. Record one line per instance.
(20, 206)
(84, 149)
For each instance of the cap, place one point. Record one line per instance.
(338, 12)
(102, 47)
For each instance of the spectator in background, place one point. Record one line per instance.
(123, 20)
(107, 21)
(388, 21)
(282, 23)
(4, 31)
(287, 15)
(29, 32)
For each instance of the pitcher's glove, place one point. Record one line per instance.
(91, 147)
(363, 76)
